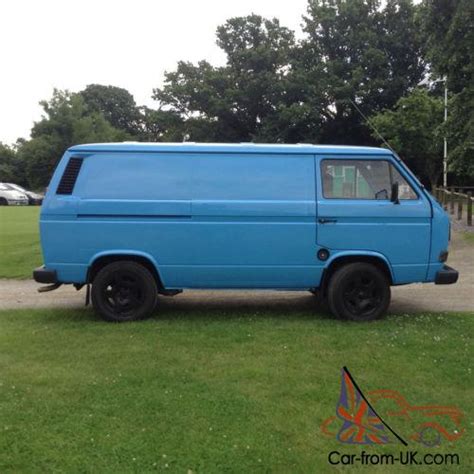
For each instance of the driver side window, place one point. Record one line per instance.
(362, 179)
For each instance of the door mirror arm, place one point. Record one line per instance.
(394, 196)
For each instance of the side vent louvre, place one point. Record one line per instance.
(68, 179)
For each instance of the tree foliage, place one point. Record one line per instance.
(116, 105)
(66, 121)
(449, 33)
(242, 100)
(365, 54)
(11, 167)
(412, 128)
(276, 89)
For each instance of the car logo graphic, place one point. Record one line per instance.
(358, 419)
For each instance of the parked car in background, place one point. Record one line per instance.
(34, 199)
(12, 197)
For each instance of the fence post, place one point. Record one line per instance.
(460, 208)
(469, 208)
(451, 201)
(444, 199)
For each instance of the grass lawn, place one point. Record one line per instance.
(19, 241)
(215, 391)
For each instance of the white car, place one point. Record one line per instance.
(34, 199)
(12, 197)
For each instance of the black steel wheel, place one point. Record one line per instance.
(359, 292)
(3, 202)
(124, 291)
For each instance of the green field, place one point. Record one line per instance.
(210, 390)
(214, 391)
(19, 241)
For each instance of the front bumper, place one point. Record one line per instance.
(44, 275)
(446, 276)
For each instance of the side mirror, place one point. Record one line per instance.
(394, 195)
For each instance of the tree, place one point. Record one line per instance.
(7, 155)
(67, 121)
(250, 98)
(197, 94)
(449, 34)
(276, 89)
(366, 54)
(161, 125)
(11, 168)
(116, 105)
(412, 129)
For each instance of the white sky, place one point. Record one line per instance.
(127, 43)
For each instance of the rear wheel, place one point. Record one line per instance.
(124, 291)
(359, 292)
(3, 202)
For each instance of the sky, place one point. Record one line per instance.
(71, 43)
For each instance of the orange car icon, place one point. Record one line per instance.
(439, 422)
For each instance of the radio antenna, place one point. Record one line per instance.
(371, 125)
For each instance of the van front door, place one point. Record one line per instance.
(355, 213)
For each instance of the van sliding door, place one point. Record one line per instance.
(253, 221)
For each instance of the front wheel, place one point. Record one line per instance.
(359, 292)
(124, 291)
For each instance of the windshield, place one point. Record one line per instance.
(6, 187)
(16, 187)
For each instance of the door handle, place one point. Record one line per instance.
(327, 221)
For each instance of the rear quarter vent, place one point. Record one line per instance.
(69, 177)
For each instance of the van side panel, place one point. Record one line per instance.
(254, 221)
(206, 220)
(122, 203)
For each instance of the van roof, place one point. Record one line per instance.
(302, 148)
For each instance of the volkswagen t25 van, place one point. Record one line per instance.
(132, 221)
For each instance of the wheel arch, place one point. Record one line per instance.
(341, 259)
(102, 259)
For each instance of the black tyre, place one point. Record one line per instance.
(359, 292)
(124, 291)
(3, 202)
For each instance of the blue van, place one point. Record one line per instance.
(135, 220)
